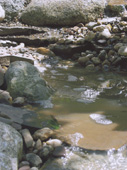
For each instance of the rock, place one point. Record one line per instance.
(43, 134)
(105, 33)
(72, 161)
(18, 30)
(102, 55)
(18, 102)
(11, 146)
(69, 50)
(5, 97)
(24, 163)
(123, 51)
(91, 25)
(27, 138)
(83, 60)
(38, 144)
(45, 152)
(24, 168)
(45, 51)
(96, 60)
(24, 80)
(2, 13)
(33, 159)
(12, 8)
(62, 12)
(114, 10)
(1, 76)
(34, 168)
(54, 142)
(117, 46)
(90, 36)
(99, 28)
(5, 60)
(59, 151)
(124, 16)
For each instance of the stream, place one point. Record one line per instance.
(91, 108)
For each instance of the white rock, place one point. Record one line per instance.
(2, 13)
(105, 33)
(54, 142)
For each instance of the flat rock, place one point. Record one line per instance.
(5, 60)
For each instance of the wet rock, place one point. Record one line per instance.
(12, 8)
(96, 60)
(102, 55)
(11, 147)
(43, 134)
(2, 13)
(27, 138)
(18, 102)
(1, 76)
(59, 151)
(55, 11)
(69, 50)
(90, 67)
(33, 159)
(45, 51)
(17, 126)
(45, 152)
(115, 29)
(122, 51)
(24, 80)
(83, 60)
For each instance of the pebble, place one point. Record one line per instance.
(54, 142)
(28, 139)
(43, 134)
(34, 159)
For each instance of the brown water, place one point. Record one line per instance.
(117, 2)
(91, 108)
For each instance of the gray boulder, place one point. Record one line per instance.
(62, 12)
(24, 80)
(11, 146)
(12, 7)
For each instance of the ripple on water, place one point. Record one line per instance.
(100, 119)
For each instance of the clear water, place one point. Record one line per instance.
(91, 108)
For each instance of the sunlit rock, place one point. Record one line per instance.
(2, 13)
(62, 12)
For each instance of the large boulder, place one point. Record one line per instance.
(24, 80)
(11, 146)
(62, 12)
(12, 7)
